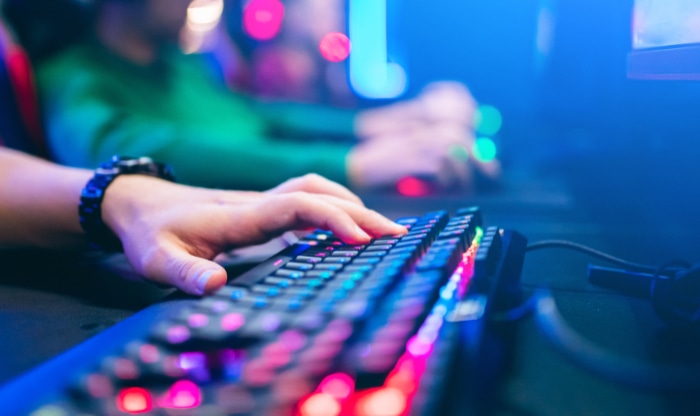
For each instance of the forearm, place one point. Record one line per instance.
(39, 202)
(306, 120)
(200, 155)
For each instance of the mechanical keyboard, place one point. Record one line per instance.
(399, 326)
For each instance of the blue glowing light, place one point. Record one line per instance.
(484, 150)
(488, 120)
(371, 75)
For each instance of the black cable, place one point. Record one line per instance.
(596, 360)
(592, 252)
(666, 299)
(673, 293)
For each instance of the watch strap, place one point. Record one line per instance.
(98, 233)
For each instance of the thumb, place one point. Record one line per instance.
(193, 275)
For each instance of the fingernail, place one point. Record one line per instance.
(402, 227)
(203, 279)
(361, 233)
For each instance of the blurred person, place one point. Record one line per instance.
(123, 87)
(170, 233)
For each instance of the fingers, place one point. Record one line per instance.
(350, 222)
(490, 169)
(172, 264)
(315, 184)
(369, 220)
(449, 101)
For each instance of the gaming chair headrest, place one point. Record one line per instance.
(20, 120)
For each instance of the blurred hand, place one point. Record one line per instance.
(438, 154)
(449, 102)
(171, 232)
(438, 103)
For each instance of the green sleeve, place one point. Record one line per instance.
(84, 131)
(300, 120)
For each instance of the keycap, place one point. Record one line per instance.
(307, 259)
(488, 254)
(321, 306)
(298, 266)
(292, 274)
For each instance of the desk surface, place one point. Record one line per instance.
(50, 302)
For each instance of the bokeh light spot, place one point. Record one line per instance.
(232, 321)
(262, 19)
(385, 401)
(338, 385)
(184, 394)
(50, 410)
(488, 120)
(204, 15)
(484, 150)
(414, 187)
(335, 47)
(134, 400)
(320, 404)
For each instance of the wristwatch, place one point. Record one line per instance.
(97, 232)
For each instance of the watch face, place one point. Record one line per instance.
(128, 161)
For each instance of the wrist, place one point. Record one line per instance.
(92, 214)
(123, 201)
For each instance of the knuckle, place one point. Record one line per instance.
(297, 198)
(373, 213)
(312, 180)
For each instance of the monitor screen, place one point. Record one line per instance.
(666, 40)
(659, 23)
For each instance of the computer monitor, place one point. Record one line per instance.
(666, 40)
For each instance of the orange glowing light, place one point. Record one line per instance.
(335, 47)
(262, 19)
(414, 187)
(135, 400)
(403, 381)
(320, 404)
(385, 401)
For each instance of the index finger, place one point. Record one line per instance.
(350, 222)
(316, 184)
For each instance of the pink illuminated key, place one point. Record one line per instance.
(232, 321)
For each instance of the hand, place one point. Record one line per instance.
(439, 102)
(441, 154)
(449, 102)
(171, 232)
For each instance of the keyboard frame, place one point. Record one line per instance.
(469, 362)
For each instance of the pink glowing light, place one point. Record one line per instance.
(99, 386)
(134, 400)
(232, 321)
(338, 385)
(178, 334)
(413, 187)
(417, 347)
(149, 353)
(184, 394)
(262, 19)
(294, 340)
(335, 47)
(198, 320)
